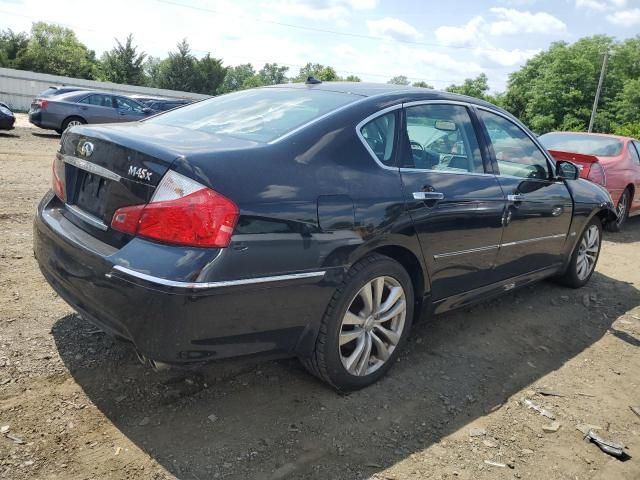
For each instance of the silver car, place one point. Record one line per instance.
(76, 108)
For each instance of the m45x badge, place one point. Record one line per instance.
(141, 173)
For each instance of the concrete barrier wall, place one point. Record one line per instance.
(19, 87)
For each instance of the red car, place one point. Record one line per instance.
(608, 160)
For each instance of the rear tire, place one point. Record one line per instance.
(72, 122)
(365, 325)
(584, 257)
(623, 212)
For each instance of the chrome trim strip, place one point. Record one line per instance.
(224, 283)
(87, 217)
(531, 240)
(91, 167)
(464, 252)
(363, 122)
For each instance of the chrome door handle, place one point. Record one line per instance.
(428, 196)
(515, 198)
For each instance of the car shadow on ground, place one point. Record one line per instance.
(8, 135)
(630, 232)
(251, 419)
(46, 135)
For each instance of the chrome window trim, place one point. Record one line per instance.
(91, 167)
(224, 283)
(545, 154)
(87, 217)
(368, 119)
(494, 247)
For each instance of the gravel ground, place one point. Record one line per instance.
(75, 404)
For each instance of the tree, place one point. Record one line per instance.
(399, 80)
(272, 74)
(237, 78)
(422, 84)
(179, 70)
(317, 71)
(54, 49)
(352, 78)
(123, 64)
(473, 87)
(210, 75)
(152, 71)
(12, 45)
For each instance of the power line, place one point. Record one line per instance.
(349, 72)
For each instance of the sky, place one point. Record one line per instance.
(440, 42)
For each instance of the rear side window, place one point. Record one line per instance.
(98, 100)
(599, 145)
(262, 114)
(380, 134)
(634, 150)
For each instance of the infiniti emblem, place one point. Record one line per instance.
(87, 149)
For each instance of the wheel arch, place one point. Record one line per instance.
(69, 117)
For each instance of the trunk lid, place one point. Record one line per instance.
(107, 167)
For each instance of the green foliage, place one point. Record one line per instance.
(422, 84)
(12, 45)
(238, 78)
(177, 71)
(628, 130)
(352, 78)
(399, 80)
(473, 87)
(123, 64)
(56, 50)
(318, 71)
(272, 74)
(209, 75)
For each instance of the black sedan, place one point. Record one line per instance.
(7, 118)
(315, 220)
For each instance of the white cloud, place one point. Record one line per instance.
(465, 35)
(507, 58)
(514, 21)
(600, 5)
(394, 28)
(625, 18)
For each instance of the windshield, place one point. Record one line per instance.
(581, 143)
(262, 114)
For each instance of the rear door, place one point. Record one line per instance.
(539, 208)
(97, 108)
(128, 110)
(634, 150)
(455, 201)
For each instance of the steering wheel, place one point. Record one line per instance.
(418, 153)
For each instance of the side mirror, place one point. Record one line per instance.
(567, 170)
(147, 110)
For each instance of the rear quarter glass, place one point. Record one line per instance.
(261, 115)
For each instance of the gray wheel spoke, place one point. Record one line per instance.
(352, 360)
(392, 336)
(363, 362)
(367, 298)
(352, 319)
(378, 288)
(398, 308)
(394, 294)
(382, 352)
(350, 335)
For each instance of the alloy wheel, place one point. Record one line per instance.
(372, 325)
(622, 208)
(588, 252)
(73, 123)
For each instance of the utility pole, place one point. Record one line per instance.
(600, 82)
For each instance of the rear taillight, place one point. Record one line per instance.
(596, 174)
(58, 183)
(181, 212)
(42, 104)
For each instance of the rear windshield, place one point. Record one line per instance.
(585, 144)
(262, 115)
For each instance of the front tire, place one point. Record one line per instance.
(365, 326)
(623, 212)
(584, 257)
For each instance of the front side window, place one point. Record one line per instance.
(127, 105)
(517, 155)
(262, 114)
(441, 137)
(380, 134)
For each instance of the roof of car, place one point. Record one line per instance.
(367, 89)
(606, 135)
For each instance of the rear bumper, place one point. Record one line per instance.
(177, 321)
(39, 119)
(6, 122)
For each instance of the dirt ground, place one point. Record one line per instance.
(75, 404)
